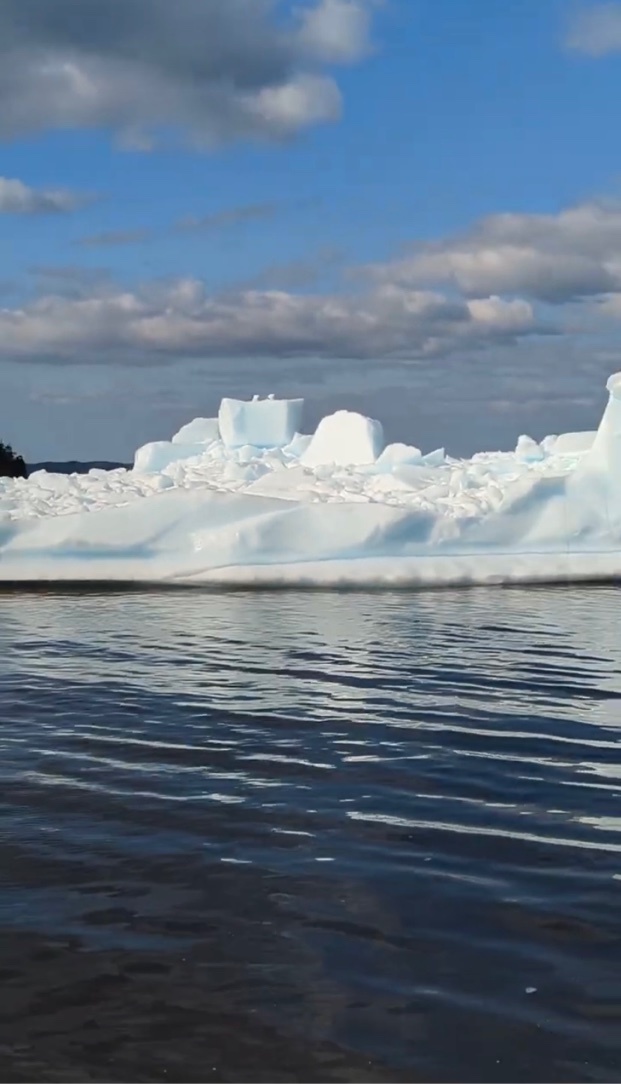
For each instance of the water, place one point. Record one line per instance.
(296, 836)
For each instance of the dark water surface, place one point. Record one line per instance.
(310, 837)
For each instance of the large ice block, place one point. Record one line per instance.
(262, 423)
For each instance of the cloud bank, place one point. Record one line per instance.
(213, 71)
(507, 278)
(166, 322)
(573, 255)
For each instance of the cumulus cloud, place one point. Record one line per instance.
(172, 320)
(558, 258)
(214, 71)
(337, 30)
(595, 30)
(17, 198)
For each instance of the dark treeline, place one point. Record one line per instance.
(11, 465)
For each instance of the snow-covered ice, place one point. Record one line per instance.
(246, 498)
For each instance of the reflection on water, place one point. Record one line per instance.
(255, 836)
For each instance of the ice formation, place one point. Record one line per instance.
(267, 423)
(344, 439)
(246, 498)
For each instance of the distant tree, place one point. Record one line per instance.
(11, 465)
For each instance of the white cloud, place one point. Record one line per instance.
(16, 198)
(182, 319)
(494, 285)
(303, 101)
(503, 316)
(337, 31)
(552, 258)
(595, 30)
(215, 70)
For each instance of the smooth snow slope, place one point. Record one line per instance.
(335, 508)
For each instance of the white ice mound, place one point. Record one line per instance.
(397, 455)
(568, 443)
(199, 431)
(344, 439)
(249, 499)
(528, 449)
(160, 454)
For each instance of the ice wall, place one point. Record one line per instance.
(593, 492)
(249, 499)
(604, 456)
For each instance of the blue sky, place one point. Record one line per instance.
(234, 196)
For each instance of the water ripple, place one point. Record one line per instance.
(377, 833)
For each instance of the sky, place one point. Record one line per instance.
(410, 208)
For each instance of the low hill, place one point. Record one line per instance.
(74, 466)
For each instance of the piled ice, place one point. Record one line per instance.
(247, 498)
